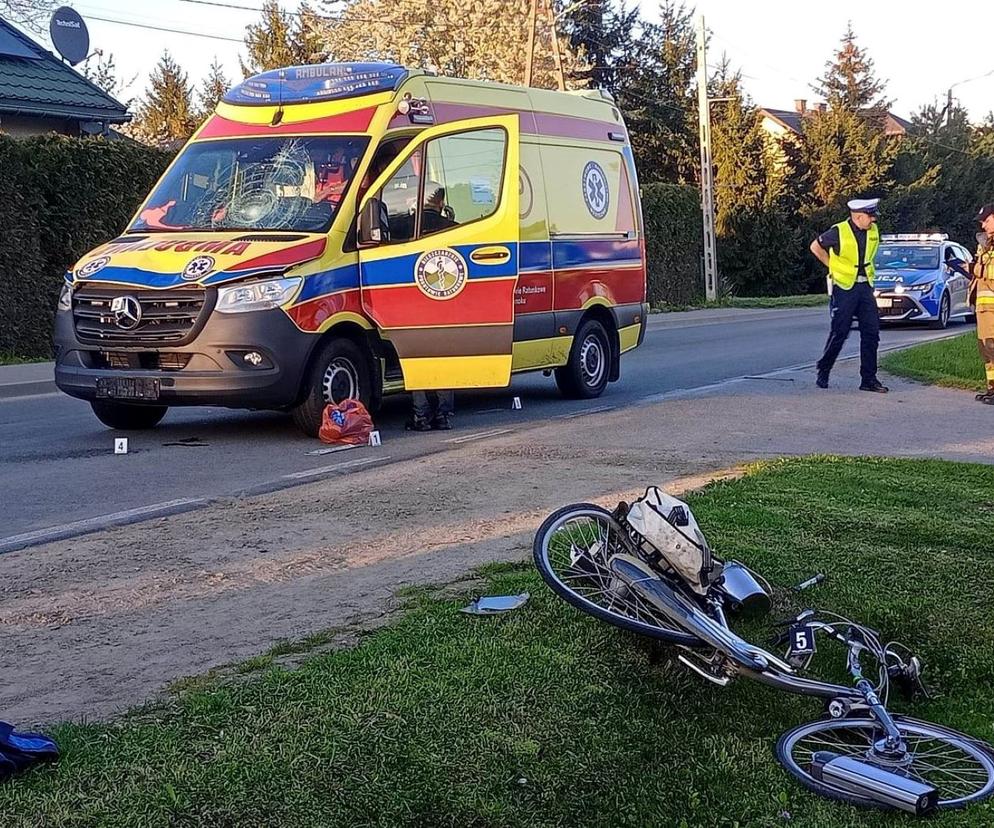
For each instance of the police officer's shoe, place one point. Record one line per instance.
(988, 400)
(981, 397)
(418, 424)
(442, 423)
(822, 381)
(876, 385)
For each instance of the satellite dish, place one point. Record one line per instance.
(69, 34)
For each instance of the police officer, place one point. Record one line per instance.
(847, 250)
(982, 296)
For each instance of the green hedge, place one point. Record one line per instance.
(59, 197)
(674, 241)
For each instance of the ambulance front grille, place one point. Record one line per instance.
(168, 317)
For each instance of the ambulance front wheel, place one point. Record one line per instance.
(340, 371)
(128, 417)
(586, 374)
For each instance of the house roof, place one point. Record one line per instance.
(33, 81)
(789, 118)
(792, 119)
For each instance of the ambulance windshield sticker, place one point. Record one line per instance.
(440, 274)
(595, 191)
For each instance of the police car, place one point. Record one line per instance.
(915, 281)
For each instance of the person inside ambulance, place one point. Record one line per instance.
(436, 215)
(381, 160)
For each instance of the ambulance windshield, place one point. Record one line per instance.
(279, 183)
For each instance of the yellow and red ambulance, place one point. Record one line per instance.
(350, 230)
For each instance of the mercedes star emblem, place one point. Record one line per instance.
(127, 312)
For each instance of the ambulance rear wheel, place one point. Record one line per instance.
(128, 417)
(340, 371)
(586, 374)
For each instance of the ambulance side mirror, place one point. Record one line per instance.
(371, 230)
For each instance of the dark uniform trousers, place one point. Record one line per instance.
(429, 404)
(858, 302)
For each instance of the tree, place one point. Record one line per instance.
(212, 89)
(166, 114)
(594, 31)
(482, 40)
(847, 154)
(102, 71)
(653, 79)
(845, 147)
(280, 39)
(849, 81)
(32, 14)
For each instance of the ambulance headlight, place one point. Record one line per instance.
(65, 298)
(256, 296)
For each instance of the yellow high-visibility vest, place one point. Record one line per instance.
(843, 266)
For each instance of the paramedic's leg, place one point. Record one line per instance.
(869, 334)
(843, 306)
(446, 402)
(985, 344)
(421, 413)
(443, 410)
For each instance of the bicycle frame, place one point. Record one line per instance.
(743, 658)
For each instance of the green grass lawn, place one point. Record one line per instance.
(9, 358)
(804, 301)
(954, 363)
(547, 717)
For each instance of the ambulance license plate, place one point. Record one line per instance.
(128, 388)
(885, 303)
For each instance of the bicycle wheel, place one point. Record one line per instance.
(572, 548)
(959, 767)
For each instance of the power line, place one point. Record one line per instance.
(163, 29)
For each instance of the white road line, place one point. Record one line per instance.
(330, 450)
(326, 469)
(598, 410)
(480, 435)
(100, 521)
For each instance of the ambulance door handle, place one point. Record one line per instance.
(490, 255)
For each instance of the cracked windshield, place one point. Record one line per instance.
(254, 184)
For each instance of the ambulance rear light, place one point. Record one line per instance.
(916, 237)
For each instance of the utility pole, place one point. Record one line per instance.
(949, 106)
(707, 169)
(530, 54)
(555, 48)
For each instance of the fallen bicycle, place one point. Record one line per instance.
(647, 568)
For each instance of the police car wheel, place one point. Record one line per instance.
(942, 320)
(340, 371)
(586, 374)
(128, 417)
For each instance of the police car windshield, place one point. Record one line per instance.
(284, 183)
(906, 257)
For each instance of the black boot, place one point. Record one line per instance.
(418, 423)
(822, 381)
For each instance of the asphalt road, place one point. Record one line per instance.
(59, 475)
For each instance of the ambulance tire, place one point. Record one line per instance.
(128, 417)
(341, 369)
(586, 374)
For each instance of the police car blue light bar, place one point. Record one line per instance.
(914, 237)
(317, 82)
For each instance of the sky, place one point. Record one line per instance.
(781, 46)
